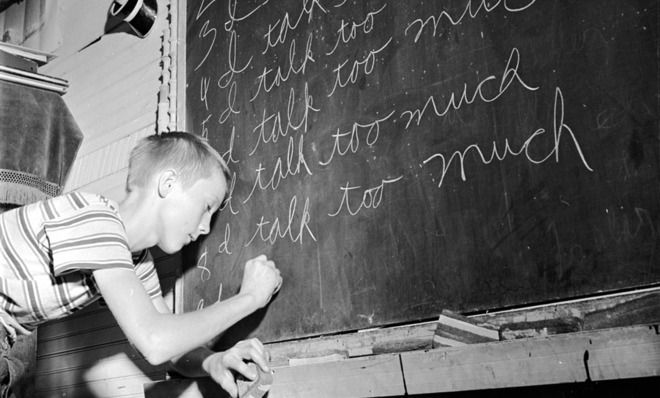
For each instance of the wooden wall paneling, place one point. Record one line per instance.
(107, 72)
(112, 91)
(81, 341)
(85, 358)
(134, 105)
(111, 186)
(130, 97)
(141, 124)
(86, 171)
(95, 364)
(124, 387)
(100, 53)
(81, 23)
(93, 317)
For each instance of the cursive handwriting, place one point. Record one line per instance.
(227, 203)
(223, 247)
(205, 130)
(228, 77)
(470, 10)
(201, 265)
(371, 198)
(353, 136)
(203, 32)
(203, 6)
(274, 37)
(204, 84)
(228, 154)
(345, 35)
(231, 101)
(279, 231)
(559, 128)
(229, 25)
(365, 65)
(279, 78)
(276, 131)
(508, 77)
(280, 171)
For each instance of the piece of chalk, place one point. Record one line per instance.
(255, 388)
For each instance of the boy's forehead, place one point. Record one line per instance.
(217, 184)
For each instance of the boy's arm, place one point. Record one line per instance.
(163, 336)
(189, 364)
(220, 366)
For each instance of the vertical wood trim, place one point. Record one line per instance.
(180, 64)
(180, 94)
(173, 8)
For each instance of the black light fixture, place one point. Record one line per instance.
(139, 14)
(4, 4)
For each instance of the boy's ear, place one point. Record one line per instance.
(166, 181)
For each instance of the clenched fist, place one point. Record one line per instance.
(261, 279)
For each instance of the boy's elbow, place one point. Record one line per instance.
(155, 358)
(154, 350)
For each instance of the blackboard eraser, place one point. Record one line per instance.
(255, 388)
(457, 330)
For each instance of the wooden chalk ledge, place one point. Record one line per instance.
(609, 354)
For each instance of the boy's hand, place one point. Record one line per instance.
(221, 364)
(261, 279)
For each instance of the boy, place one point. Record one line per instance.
(59, 255)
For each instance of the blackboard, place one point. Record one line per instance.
(397, 158)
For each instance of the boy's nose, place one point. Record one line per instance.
(205, 226)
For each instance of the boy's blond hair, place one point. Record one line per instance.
(191, 157)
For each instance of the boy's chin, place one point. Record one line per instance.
(170, 248)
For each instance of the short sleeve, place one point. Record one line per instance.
(146, 271)
(89, 240)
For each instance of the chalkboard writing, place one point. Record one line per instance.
(396, 158)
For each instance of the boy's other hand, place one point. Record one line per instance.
(261, 279)
(221, 364)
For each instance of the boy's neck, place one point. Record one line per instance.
(137, 213)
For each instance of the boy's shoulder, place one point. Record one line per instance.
(79, 200)
(75, 201)
(66, 205)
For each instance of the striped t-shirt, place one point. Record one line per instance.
(49, 249)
